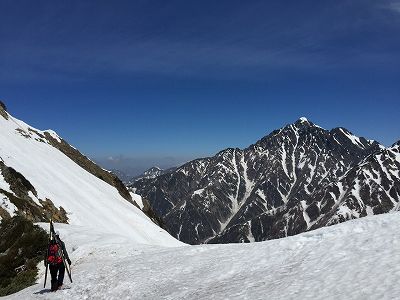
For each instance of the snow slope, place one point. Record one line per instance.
(89, 201)
(358, 259)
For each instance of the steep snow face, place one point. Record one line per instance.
(88, 201)
(359, 259)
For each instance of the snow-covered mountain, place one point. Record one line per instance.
(279, 186)
(359, 259)
(371, 187)
(43, 177)
(151, 173)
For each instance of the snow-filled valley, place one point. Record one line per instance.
(359, 259)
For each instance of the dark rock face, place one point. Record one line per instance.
(277, 187)
(148, 211)
(3, 110)
(18, 183)
(3, 106)
(121, 175)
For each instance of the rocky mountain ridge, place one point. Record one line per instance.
(151, 173)
(271, 189)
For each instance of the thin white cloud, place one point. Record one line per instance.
(232, 53)
(395, 6)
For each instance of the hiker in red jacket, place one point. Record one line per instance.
(55, 260)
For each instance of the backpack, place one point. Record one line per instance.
(55, 255)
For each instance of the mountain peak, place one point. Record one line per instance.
(304, 122)
(303, 119)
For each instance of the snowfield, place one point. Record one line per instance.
(359, 259)
(88, 200)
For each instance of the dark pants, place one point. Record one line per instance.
(57, 282)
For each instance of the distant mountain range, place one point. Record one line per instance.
(153, 172)
(297, 178)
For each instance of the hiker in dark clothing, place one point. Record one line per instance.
(55, 261)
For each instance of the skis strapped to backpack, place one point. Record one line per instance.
(45, 261)
(54, 236)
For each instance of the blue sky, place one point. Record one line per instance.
(160, 82)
